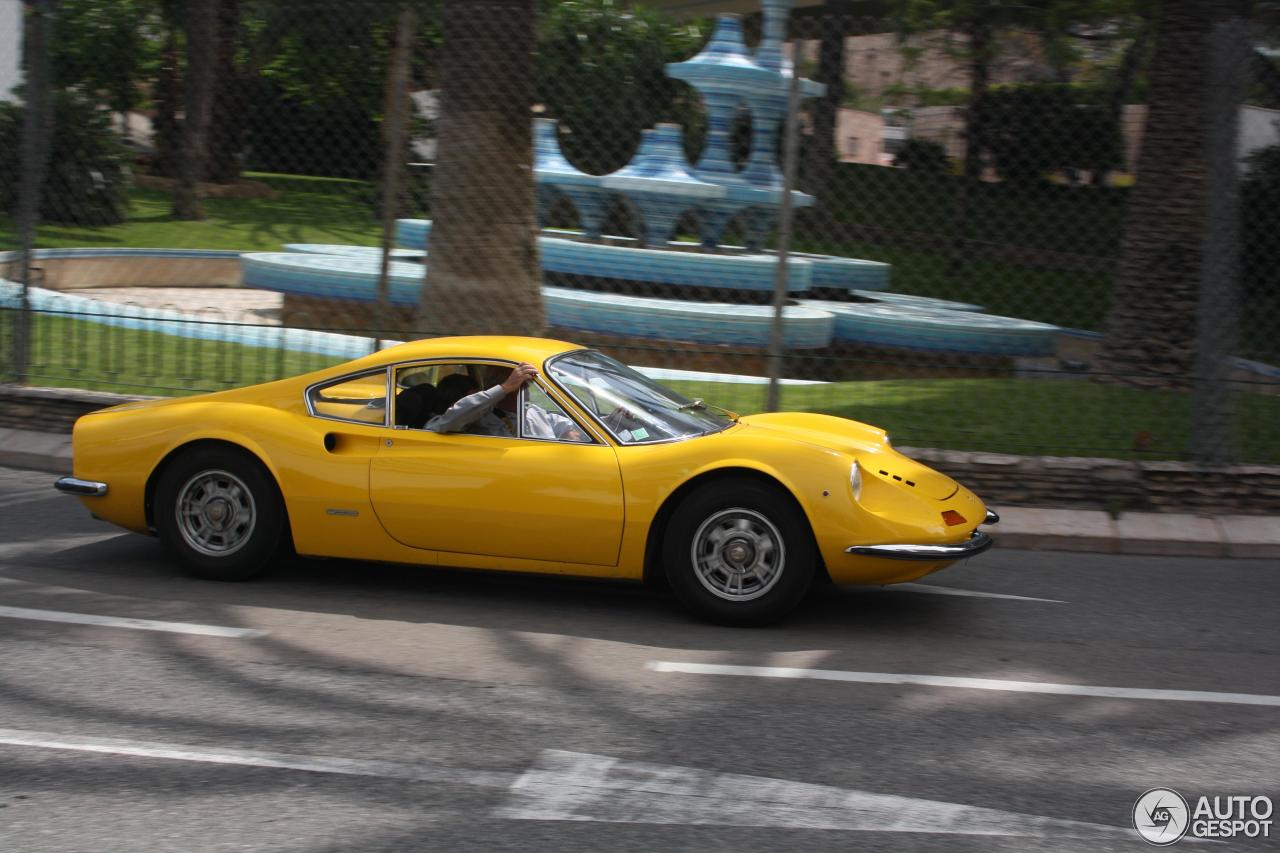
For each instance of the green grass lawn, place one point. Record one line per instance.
(69, 353)
(1085, 221)
(307, 210)
(1063, 417)
(1021, 416)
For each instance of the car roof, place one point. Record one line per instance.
(508, 347)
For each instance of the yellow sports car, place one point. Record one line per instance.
(523, 454)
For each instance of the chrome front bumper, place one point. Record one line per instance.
(977, 543)
(83, 488)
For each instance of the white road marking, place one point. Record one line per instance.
(125, 622)
(28, 495)
(252, 758)
(968, 683)
(969, 593)
(583, 787)
(52, 545)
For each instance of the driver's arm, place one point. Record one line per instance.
(565, 428)
(473, 407)
(467, 411)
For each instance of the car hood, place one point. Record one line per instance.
(867, 444)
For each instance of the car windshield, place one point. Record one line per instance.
(633, 407)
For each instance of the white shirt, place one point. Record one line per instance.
(474, 414)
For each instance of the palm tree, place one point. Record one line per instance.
(483, 274)
(1151, 326)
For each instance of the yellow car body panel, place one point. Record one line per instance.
(370, 491)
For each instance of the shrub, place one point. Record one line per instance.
(924, 156)
(601, 72)
(88, 176)
(1034, 129)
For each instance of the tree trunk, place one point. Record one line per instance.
(226, 129)
(1266, 73)
(981, 48)
(823, 149)
(168, 93)
(981, 44)
(33, 158)
(396, 110)
(1151, 326)
(483, 274)
(201, 22)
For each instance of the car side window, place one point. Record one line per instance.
(543, 418)
(361, 399)
(423, 391)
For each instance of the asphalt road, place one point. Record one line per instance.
(351, 706)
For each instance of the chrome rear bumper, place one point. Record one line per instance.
(977, 543)
(72, 486)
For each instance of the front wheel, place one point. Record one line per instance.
(739, 552)
(220, 513)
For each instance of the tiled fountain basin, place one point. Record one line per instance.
(682, 264)
(340, 292)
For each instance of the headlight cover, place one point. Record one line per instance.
(855, 480)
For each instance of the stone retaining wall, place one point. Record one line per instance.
(1114, 485)
(52, 409)
(1074, 482)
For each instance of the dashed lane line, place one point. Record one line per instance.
(967, 593)
(126, 622)
(255, 758)
(55, 544)
(965, 683)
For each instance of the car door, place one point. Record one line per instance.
(500, 496)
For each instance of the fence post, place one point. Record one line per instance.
(394, 127)
(1218, 313)
(34, 158)
(785, 227)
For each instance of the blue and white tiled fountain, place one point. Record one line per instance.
(659, 186)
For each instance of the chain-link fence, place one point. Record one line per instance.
(983, 227)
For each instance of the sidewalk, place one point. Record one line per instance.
(1031, 528)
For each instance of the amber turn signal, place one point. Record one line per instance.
(952, 518)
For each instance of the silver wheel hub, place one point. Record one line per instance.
(216, 513)
(738, 554)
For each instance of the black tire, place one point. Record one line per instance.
(753, 544)
(233, 525)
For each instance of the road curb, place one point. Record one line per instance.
(37, 451)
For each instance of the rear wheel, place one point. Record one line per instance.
(739, 552)
(220, 512)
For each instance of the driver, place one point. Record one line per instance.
(490, 412)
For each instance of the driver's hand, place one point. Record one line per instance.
(619, 416)
(520, 374)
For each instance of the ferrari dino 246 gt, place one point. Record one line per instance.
(596, 471)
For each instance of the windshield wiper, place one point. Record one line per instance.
(694, 404)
